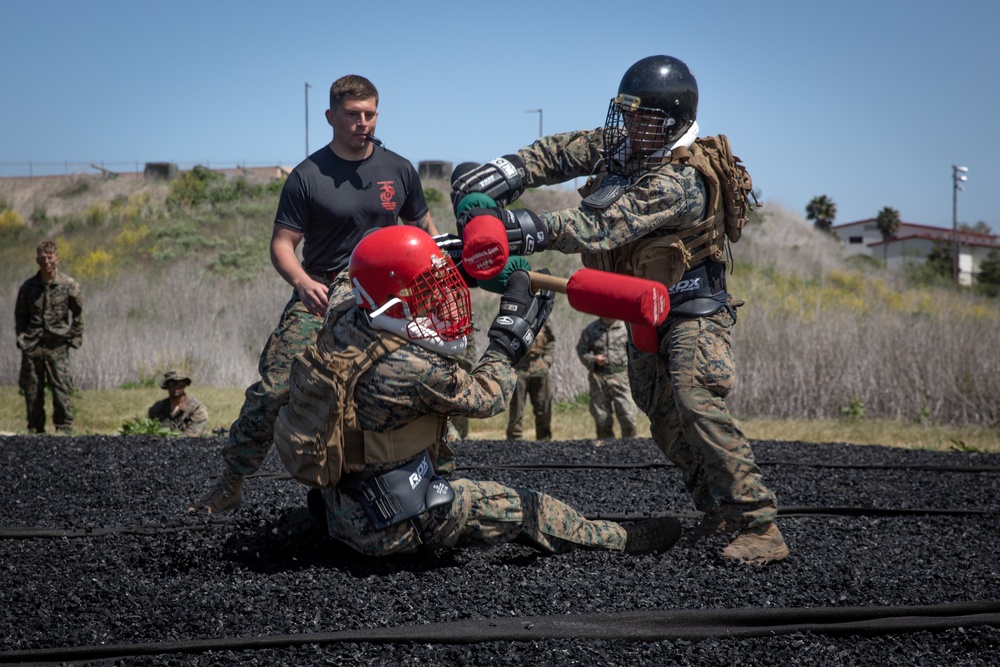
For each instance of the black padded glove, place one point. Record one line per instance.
(452, 246)
(502, 179)
(526, 233)
(520, 317)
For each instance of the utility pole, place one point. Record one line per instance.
(958, 177)
(539, 112)
(307, 118)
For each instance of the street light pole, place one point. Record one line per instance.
(307, 119)
(539, 112)
(958, 177)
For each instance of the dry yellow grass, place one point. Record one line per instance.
(103, 411)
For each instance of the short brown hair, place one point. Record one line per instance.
(46, 247)
(352, 87)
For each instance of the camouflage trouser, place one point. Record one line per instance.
(538, 389)
(47, 365)
(252, 434)
(482, 514)
(610, 394)
(683, 390)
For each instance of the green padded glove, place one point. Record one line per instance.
(474, 200)
(498, 283)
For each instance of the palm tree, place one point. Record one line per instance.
(888, 224)
(822, 210)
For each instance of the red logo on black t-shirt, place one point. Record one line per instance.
(386, 195)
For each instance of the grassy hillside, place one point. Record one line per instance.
(178, 275)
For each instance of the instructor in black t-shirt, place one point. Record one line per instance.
(329, 201)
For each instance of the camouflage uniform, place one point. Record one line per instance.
(533, 382)
(48, 319)
(327, 201)
(458, 427)
(252, 433)
(683, 387)
(412, 382)
(191, 419)
(609, 385)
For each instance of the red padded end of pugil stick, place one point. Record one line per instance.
(645, 337)
(618, 296)
(484, 247)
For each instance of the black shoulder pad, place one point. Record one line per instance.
(611, 190)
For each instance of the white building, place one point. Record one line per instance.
(912, 243)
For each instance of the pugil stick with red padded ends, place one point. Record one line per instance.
(613, 295)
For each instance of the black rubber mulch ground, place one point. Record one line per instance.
(894, 562)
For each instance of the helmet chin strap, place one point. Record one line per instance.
(387, 305)
(402, 327)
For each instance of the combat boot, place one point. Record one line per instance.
(757, 546)
(652, 536)
(224, 496)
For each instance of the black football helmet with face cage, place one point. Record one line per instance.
(657, 103)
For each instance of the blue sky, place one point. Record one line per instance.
(869, 103)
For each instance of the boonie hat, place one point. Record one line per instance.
(175, 375)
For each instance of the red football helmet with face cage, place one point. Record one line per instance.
(400, 272)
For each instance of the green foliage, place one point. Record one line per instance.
(191, 187)
(960, 446)
(96, 215)
(979, 228)
(75, 187)
(988, 278)
(201, 185)
(863, 262)
(855, 411)
(244, 259)
(433, 196)
(574, 404)
(39, 216)
(181, 239)
(924, 413)
(935, 272)
(234, 190)
(941, 259)
(888, 224)
(73, 224)
(146, 426)
(822, 211)
(274, 187)
(144, 382)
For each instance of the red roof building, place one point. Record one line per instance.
(913, 242)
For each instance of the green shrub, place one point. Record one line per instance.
(96, 215)
(274, 187)
(433, 196)
(243, 261)
(73, 223)
(855, 411)
(922, 275)
(234, 190)
(75, 186)
(146, 426)
(191, 187)
(148, 378)
(864, 262)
